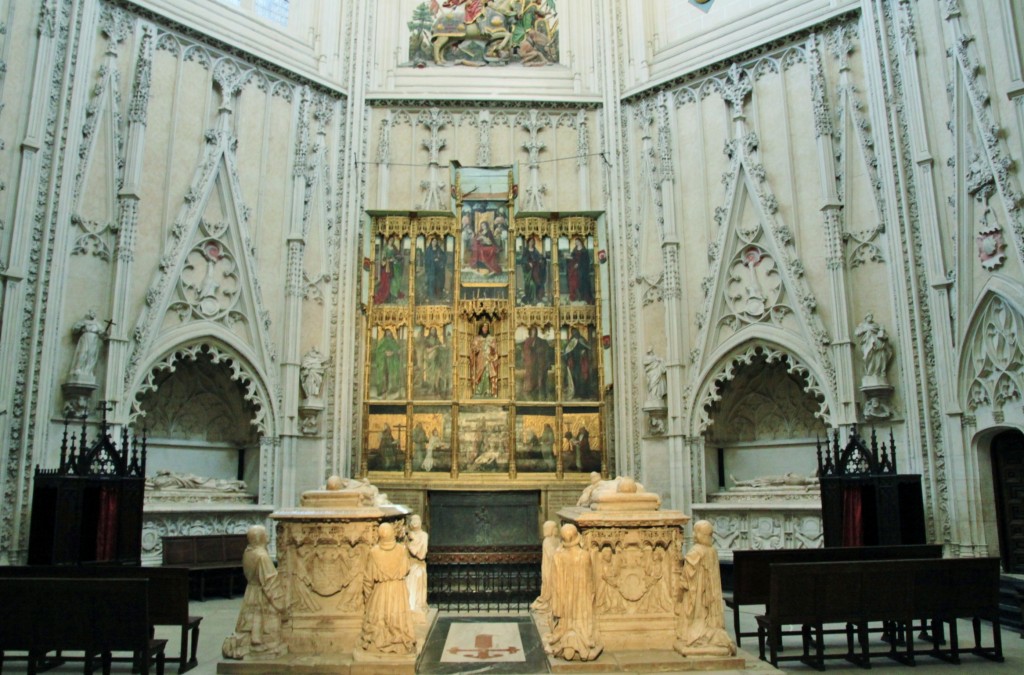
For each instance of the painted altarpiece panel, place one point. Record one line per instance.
(581, 441)
(576, 270)
(432, 439)
(534, 280)
(484, 238)
(535, 374)
(537, 442)
(483, 440)
(387, 371)
(477, 360)
(391, 282)
(434, 270)
(386, 438)
(432, 360)
(579, 363)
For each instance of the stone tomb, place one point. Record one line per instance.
(636, 549)
(322, 551)
(637, 554)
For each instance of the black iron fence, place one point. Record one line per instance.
(484, 578)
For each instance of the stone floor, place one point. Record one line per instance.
(219, 620)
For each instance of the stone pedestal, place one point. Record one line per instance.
(322, 550)
(636, 556)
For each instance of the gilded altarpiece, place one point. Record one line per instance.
(483, 352)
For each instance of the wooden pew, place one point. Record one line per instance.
(95, 616)
(751, 569)
(207, 555)
(168, 591)
(895, 592)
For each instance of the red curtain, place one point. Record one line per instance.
(853, 526)
(106, 531)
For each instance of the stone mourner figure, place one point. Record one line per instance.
(387, 622)
(416, 581)
(574, 636)
(258, 629)
(701, 630)
(547, 568)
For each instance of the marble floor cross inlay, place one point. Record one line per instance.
(483, 643)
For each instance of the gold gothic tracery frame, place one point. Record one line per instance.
(484, 352)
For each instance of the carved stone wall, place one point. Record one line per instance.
(767, 185)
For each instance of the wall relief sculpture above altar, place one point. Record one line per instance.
(483, 32)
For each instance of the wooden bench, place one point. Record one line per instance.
(94, 616)
(751, 570)
(168, 592)
(895, 592)
(207, 556)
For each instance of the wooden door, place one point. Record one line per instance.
(1008, 469)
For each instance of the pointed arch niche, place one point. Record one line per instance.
(199, 420)
(760, 415)
(207, 413)
(991, 385)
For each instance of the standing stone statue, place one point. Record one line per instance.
(551, 541)
(701, 630)
(416, 581)
(90, 333)
(654, 373)
(875, 351)
(258, 630)
(311, 373)
(575, 635)
(387, 623)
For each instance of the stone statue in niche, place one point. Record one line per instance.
(166, 479)
(654, 374)
(575, 636)
(89, 334)
(311, 373)
(875, 351)
(417, 542)
(701, 630)
(387, 622)
(258, 629)
(550, 545)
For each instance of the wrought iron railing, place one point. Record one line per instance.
(485, 578)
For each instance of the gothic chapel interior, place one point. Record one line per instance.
(678, 240)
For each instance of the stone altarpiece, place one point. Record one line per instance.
(484, 350)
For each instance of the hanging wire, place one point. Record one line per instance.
(541, 161)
